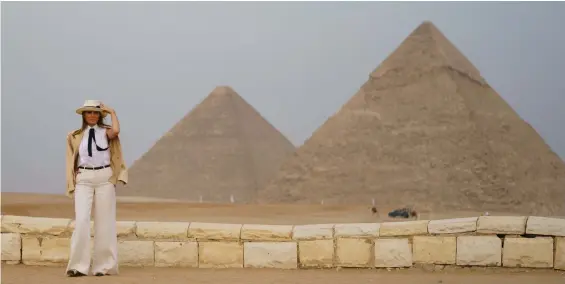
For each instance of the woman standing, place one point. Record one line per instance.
(94, 166)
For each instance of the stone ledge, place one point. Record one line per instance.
(407, 228)
(507, 225)
(313, 232)
(357, 230)
(162, 230)
(35, 225)
(545, 226)
(387, 245)
(251, 232)
(214, 231)
(453, 226)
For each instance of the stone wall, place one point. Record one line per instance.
(534, 242)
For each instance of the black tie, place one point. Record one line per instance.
(91, 138)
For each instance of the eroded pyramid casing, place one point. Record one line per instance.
(223, 147)
(425, 130)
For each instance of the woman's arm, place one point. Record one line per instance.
(115, 129)
(70, 167)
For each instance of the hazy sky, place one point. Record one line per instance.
(296, 63)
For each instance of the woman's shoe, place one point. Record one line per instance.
(75, 273)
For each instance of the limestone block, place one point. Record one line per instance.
(479, 251)
(125, 228)
(358, 230)
(214, 231)
(162, 230)
(220, 255)
(354, 252)
(509, 225)
(31, 250)
(316, 253)
(393, 253)
(55, 250)
(559, 253)
(35, 225)
(313, 232)
(176, 254)
(526, 252)
(136, 253)
(408, 228)
(281, 255)
(453, 226)
(11, 247)
(434, 249)
(251, 232)
(545, 226)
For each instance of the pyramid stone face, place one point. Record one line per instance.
(425, 130)
(222, 147)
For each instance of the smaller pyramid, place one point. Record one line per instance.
(222, 148)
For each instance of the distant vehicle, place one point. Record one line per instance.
(403, 213)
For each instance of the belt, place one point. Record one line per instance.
(94, 168)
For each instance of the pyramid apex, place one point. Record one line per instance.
(427, 23)
(426, 48)
(223, 91)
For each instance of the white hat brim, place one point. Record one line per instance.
(83, 109)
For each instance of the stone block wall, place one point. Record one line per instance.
(496, 241)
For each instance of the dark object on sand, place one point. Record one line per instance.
(374, 210)
(403, 213)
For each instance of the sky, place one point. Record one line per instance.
(295, 62)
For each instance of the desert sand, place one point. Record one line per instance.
(21, 274)
(149, 209)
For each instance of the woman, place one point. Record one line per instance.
(94, 166)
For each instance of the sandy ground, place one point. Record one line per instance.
(148, 209)
(21, 274)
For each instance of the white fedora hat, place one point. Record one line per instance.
(91, 105)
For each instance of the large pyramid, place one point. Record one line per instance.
(425, 130)
(222, 147)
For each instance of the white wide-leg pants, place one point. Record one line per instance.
(93, 185)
